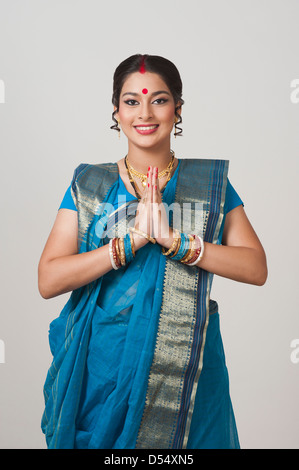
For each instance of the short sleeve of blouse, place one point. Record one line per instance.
(232, 198)
(67, 201)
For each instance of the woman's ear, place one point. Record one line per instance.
(178, 108)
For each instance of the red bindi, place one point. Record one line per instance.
(145, 91)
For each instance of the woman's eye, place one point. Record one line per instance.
(157, 101)
(161, 100)
(131, 102)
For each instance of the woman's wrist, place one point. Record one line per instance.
(183, 247)
(139, 241)
(167, 242)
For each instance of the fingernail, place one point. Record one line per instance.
(155, 187)
(149, 168)
(148, 185)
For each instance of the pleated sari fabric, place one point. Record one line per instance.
(138, 360)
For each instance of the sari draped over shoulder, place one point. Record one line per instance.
(129, 369)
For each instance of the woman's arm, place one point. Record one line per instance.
(61, 269)
(241, 256)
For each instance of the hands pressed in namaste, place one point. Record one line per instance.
(151, 215)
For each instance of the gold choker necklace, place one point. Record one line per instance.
(143, 177)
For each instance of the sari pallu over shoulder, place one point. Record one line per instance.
(161, 409)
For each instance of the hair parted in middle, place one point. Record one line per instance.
(154, 64)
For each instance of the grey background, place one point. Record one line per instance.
(237, 60)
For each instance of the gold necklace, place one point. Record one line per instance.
(143, 177)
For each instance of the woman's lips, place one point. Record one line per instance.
(145, 130)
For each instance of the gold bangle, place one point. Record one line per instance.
(132, 243)
(117, 248)
(122, 251)
(142, 234)
(177, 248)
(174, 243)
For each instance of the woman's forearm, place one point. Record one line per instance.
(238, 263)
(67, 273)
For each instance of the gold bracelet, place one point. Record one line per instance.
(177, 248)
(142, 234)
(174, 243)
(117, 248)
(132, 243)
(122, 251)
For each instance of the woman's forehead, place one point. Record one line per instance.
(146, 82)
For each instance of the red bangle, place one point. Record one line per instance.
(194, 257)
(196, 254)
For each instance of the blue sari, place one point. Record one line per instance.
(138, 360)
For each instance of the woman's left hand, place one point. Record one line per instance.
(160, 222)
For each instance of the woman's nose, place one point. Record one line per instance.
(145, 112)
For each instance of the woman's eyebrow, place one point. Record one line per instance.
(160, 92)
(155, 93)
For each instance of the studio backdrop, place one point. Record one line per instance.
(239, 66)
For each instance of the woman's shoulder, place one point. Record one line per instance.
(208, 166)
(204, 161)
(94, 168)
(85, 174)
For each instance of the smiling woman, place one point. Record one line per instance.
(146, 114)
(157, 65)
(138, 359)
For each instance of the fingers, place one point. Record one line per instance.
(148, 200)
(159, 218)
(143, 212)
(155, 186)
(152, 185)
(152, 218)
(151, 195)
(149, 185)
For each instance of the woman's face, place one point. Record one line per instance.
(146, 110)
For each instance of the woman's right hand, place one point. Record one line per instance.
(143, 219)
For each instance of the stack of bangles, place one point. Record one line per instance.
(122, 250)
(186, 248)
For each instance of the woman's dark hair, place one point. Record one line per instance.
(151, 63)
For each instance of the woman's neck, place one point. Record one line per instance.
(141, 158)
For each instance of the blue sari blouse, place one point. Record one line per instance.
(232, 198)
